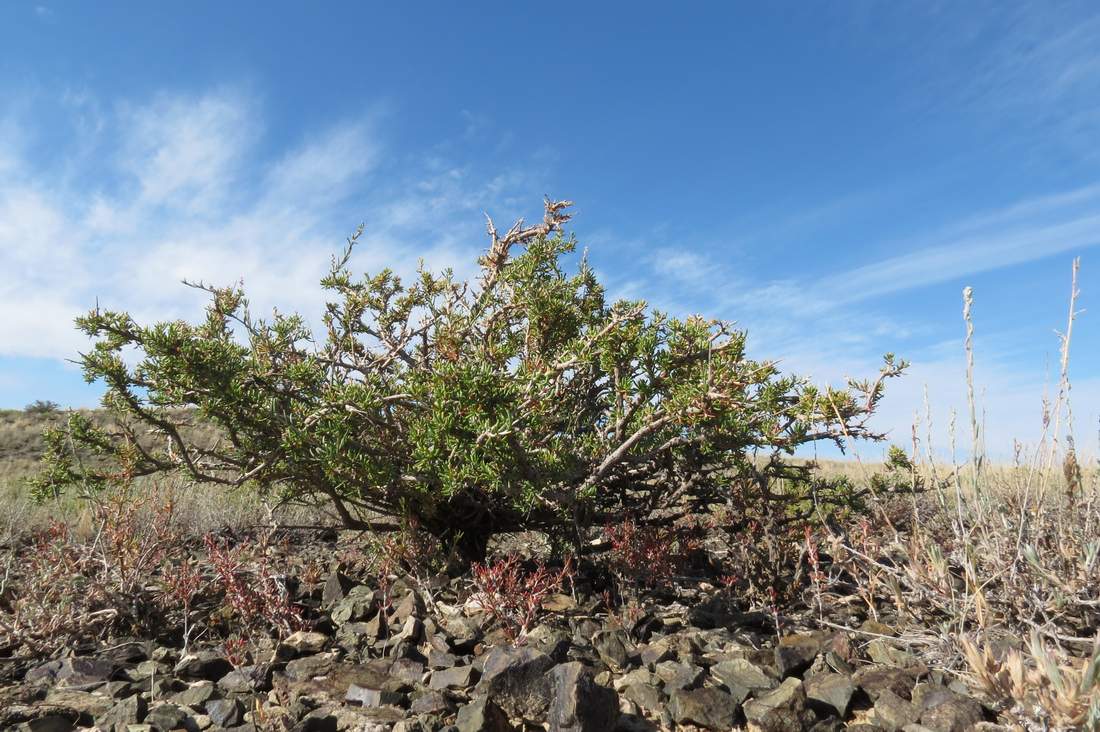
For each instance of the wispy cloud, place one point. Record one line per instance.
(184, 193)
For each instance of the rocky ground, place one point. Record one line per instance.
(435, 660)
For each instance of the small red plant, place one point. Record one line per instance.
(252, 591)
(650, 555)
(512, 595)
(180, 584)
(236, 650)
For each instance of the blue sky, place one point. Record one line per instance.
(828, 175)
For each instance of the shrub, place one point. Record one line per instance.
(522, 400)
(39, 406)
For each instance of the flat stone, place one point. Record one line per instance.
(126, 712)
(782, 709)
(886, 652)
(336, 588)
(374, 697)
(893, 713)
(85, 705)
(954, 715)
(456, 677)
(209, 665)
(225, 712)
(47, 723)
(441, 659)
(676, 675)
(482, 715)
(358, 604)
(407, 670)
(308, 667)
(659, 650)
(196, 695)
(795, 653)
(646, 696)
(306, 642)
(410, 606)
(514, 679)
(578, 703)
(559, 603)
(167, 717)
(431, 701)
(614, 648)
(708, 707)
(84, 671)
(876, 678)
(830, 692)
(741, 677)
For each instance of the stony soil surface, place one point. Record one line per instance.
(434, 661)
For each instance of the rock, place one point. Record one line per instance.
(408, 670)
(614, 647)
(457, 677)
(742, 677)
(167, 717)
(203, 665)
(411, 633)
(482, 715)
(578, 703)
(124, 713)
(885, 652)
(321, 720)
(146, 670)
(196, 696)
(559, 603)
(953, 715)
(354, 636)
(795, 653)
(411, 606)
(713, 612)
(305, 642)
(876, 678)
(336, 588)
(161, 688)
(202, 721)
(358, 605)
(308, 667)
(829, 692)
(225, 712)
(85, 706)
(676, 675)
(47, 723)
(432, 702)
(554, 643)
(84, 672)
(782, 709)
(893, 713)
(515, 680)
(657, 651)
(44, 673)
(646, 696)
(373, 698)
(246, 679)
(708, 707)
(440, 659)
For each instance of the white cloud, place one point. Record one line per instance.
(181, 192)
(186, 152)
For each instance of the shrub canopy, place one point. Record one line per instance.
(522, 400)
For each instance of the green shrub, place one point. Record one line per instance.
(522, 400)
